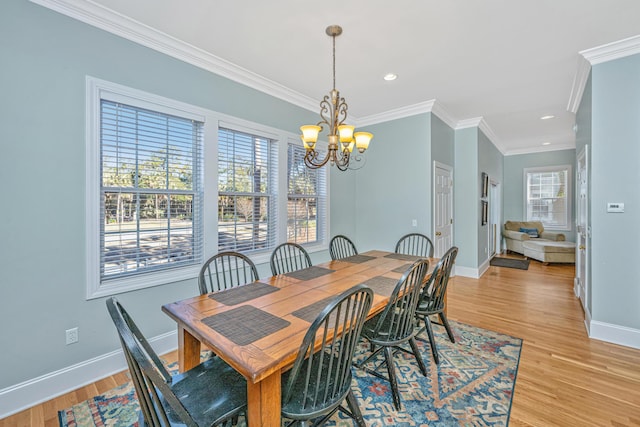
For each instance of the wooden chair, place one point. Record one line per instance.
(395, 326)
(415, 244)
(341, 247)
(320, 380)
(207, 395)
(432, 299)
(289, 257)
(226, 270)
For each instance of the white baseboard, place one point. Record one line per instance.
(37, 390)
(467, 272)
(615, 334)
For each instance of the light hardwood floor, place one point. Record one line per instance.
(564, 378)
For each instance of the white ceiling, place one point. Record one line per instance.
(507, 62)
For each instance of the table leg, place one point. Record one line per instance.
(188, 350)
(264, 402)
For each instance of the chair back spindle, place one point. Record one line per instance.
(415, 244)
(289, 257)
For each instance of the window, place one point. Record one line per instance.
(548, 194)
(246, 191)
(150, 218)
(144, 190)
(306, 199)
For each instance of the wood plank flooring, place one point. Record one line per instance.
(564, 379)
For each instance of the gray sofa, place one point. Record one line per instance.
(514, 238)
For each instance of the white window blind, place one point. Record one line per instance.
(247, 214)
(151, 201)
(548, 196)
(306, 199)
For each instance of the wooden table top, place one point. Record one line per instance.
(258, 359)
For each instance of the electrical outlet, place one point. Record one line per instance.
(414, 222)
(71, 335)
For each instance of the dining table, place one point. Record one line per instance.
(257, 328)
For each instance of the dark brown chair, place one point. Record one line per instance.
(341, 247)
(395, 326)
(415, 244)
(289, 257)
(210, 394)
(320, 380)
(226, 270)
(432, 299)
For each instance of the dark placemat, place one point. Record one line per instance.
(309, 273)
(310, 312)
(243, 293)
(381, 285)
(245, 324)
(358, 259)
(404, 257)
(402, 269)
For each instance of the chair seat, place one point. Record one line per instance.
(381, 337)
(193, 389)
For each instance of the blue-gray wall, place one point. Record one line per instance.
(615, 177)
(398, 167)
(514, 194)
(42, 256)
(466, 196)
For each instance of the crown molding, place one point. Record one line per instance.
(611, 51)
(106, 19)
(597, 55)
(444, 115)
(397, 113)
(469, 123)
(541, 149)
(579, 84)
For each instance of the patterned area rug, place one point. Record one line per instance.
(472, 386)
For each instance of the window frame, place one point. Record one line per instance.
(97, 89)
(568, 197)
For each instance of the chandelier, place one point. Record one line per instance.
(342, 138)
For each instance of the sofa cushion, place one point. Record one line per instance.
(516, 225)
(532, 232)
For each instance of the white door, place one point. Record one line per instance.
(443, 208)
(582, 229)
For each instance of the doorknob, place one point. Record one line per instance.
(582, 247)
(438, 233)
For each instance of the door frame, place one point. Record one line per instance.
(495, 211)
(581, 284)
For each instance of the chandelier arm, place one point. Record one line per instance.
(310, 159)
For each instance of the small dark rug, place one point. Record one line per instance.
(521, 264)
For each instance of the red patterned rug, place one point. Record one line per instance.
(471, 386)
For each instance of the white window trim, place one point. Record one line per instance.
(97, 89)
(569, 198)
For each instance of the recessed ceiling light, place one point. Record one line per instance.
(390, 76)
(546, 143)
(550, 116)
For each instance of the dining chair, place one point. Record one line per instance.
(320, 380)
(226, 270)
(432, 299)
(210, 394)
(415, 244)
(395, 326)
(341, 247)
(289, 257)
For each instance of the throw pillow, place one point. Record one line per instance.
(532, 232)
